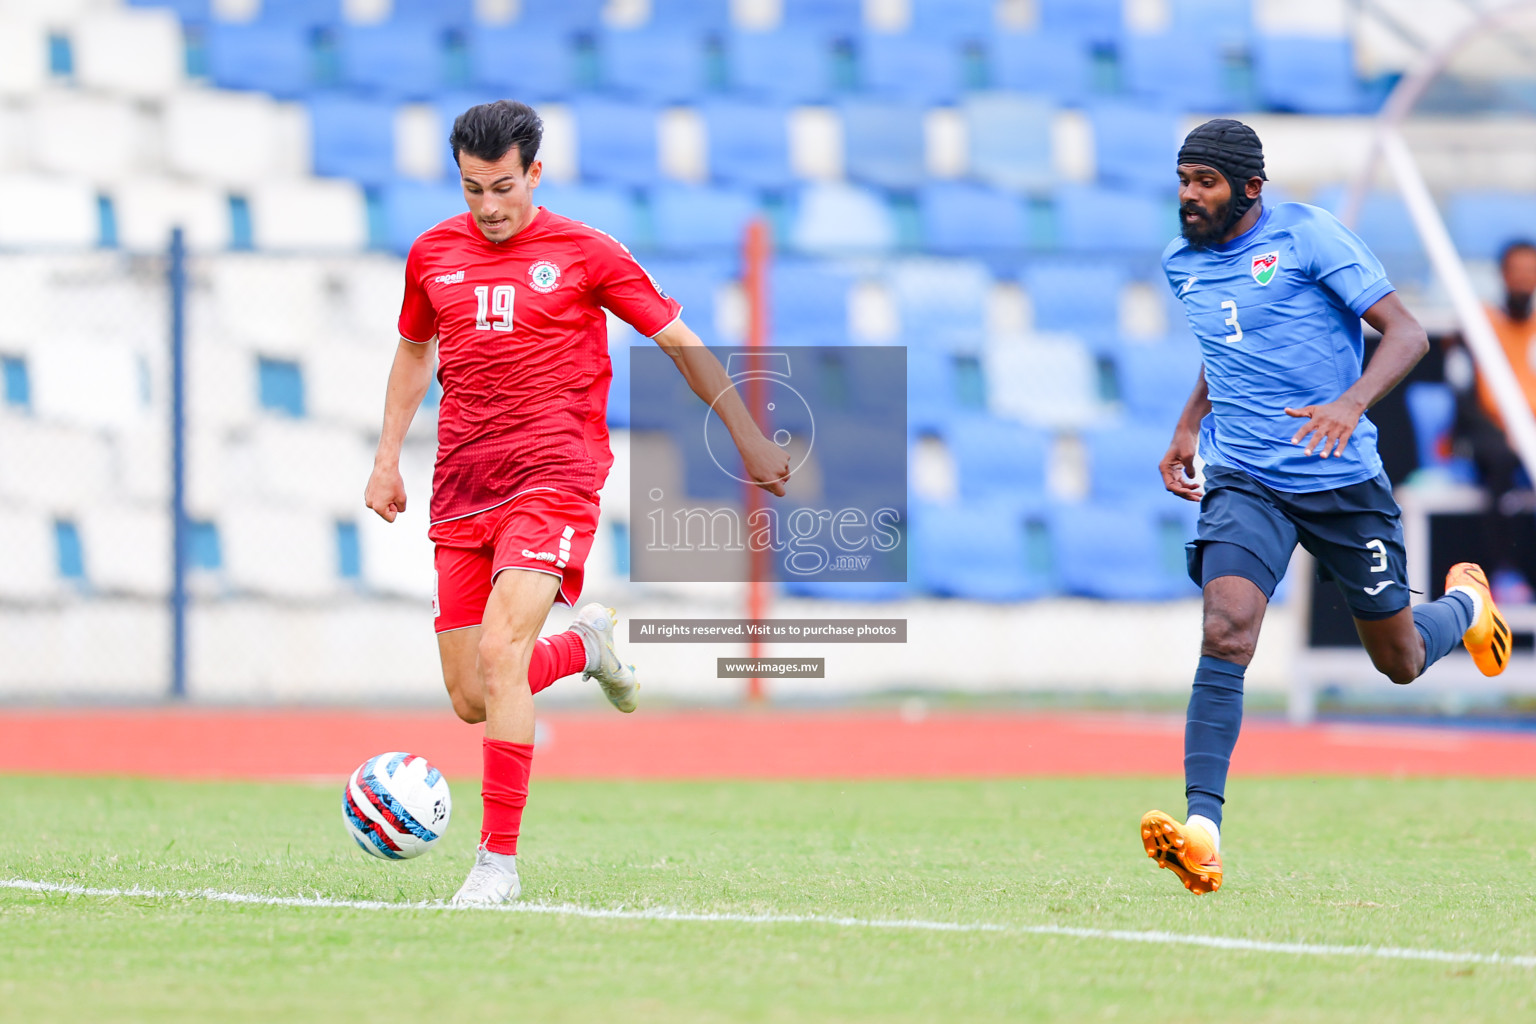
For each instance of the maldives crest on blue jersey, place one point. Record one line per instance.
(1264, 267)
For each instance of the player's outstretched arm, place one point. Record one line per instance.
(1178, 465)
(766, 463)
(409, 378)
(1328, 428)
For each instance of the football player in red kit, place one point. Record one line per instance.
(508, 301)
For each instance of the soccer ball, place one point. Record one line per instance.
(396, 806)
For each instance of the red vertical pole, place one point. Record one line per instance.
(755, 258)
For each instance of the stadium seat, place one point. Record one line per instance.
(1135, 146)
(278, 552)
(1482, 223)
(307, 14)
(1122, 460)
(309, 215)
(700, 219)
(982, 551)
(1219, 21)
(694, 283)
(1094, 21)
(438, 14)
(297, 463)
(148, 208)
(352, 137)
(780, 67)
(998, 458)
(621, 337)
(1047, 380)
(1382, 223)
(28, 571)
(344, 382)
(1156, 380)
(1432, 411)
(616, 142)
(123, 136)
(835, 218)
(561, 15)
(883, 143)
(411, 207)
(695, 15)
(1109, 220)
(1054, 64)
(50, 467)
(196, 11)
(23, 57)
(964, 22)
(275, 59)
(959, 218)
(941, 387)
(942, 303)
(839, 19)
(136, 53)
(748, 143)
(531, 62)
(44, 211)
(1074, 296)
(660, 64)
(127, 549)
(1306, 75)
(393, 59)
(1175, 70)
(910, 67)
(1120, 552)
(1010, 139)
(396, 558)
(602, 207)
(88, 382)
(808, 302)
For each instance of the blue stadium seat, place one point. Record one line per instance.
(401, 60)
(698, 15)
(1122, 460)
(1092, 219)
(1010, 139)
(561, 15)
(1096, 21)
(196, 11)
(1071, 296)
(694, 283)
(1307, 75)
(998, 458)
(808, 302)
(275, 59)
(1482, 223)
(442, 14)
(834, 218)
(660, 65)
(863, 461)
(303, 13)
(911, 67)
(1047, 64)
(690, 217)
(1121, 552)
(353, 138)
(991, 551)
(1219, 21)
(411, 207)
(619, 343)
(1156, 380)
(960, 218)
(1175, 70)
(603, 207)
(616, 142)
(1135, 146)
(1432, 410)
(967, 22)
(748, 143)
(829, 18)
(935, 390)
(1383, 224)
(782, 67)
(530, 63)
(942, 303)
(883, 143)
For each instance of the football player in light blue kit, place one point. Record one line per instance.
(1276, 295)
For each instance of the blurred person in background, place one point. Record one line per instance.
(1509, 524)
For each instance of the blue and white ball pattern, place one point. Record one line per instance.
(396, 806)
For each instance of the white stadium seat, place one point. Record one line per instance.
(303, 464)
(91, 383)
(227, 138)
(141, 459)
(43, 211)
(420, 152)
(309, 215)
(221, 383)
(134, 52)
(27, 561)
(1049, 380)
(244, 307)
(344, 383)
(50, 467)
(816, 143)
(371, 290)
(127, 549)
(269, 549)
(397, 557)
(148, 208)
(23, 55)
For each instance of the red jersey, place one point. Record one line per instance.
(523, 353)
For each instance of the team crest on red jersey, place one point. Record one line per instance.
(1264, 267)
(544, 276)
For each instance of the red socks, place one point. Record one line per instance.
(556, 656)
(504, 792)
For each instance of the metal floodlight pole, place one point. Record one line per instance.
(177, 279)
(755, 279)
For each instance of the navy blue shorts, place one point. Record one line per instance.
(1354, 532)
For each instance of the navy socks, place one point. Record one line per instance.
(1441, 623)
(1210, 732)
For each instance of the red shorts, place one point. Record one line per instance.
(543, 530)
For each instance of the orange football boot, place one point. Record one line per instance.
(1187, 852)
(1488, 638)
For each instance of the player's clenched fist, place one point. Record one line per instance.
(767, 464)
(1178, 467)
(385, 493)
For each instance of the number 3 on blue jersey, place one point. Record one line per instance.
(1231, 321)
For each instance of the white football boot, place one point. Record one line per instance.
(596, 625)
(492, 880)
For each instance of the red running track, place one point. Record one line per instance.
(249, 744)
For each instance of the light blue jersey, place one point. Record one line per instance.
(1277, 311)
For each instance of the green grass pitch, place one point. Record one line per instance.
(1444, 865)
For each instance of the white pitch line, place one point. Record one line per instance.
(1157, 938)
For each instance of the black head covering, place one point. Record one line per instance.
(1232, 148)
